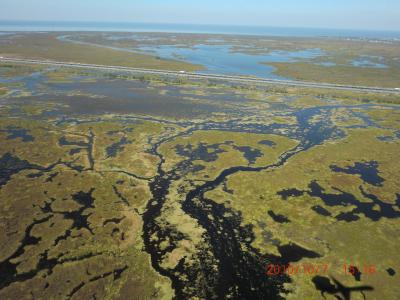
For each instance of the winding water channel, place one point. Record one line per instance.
(226, 265)
(241, 273)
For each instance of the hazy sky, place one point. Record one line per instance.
(352, 14)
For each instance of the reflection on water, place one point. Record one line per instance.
(222, 60)
(125, 97)
(32, 82)
(218, 56)
(367, 61)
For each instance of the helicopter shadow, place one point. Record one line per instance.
(337, 289)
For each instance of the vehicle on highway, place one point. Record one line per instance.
(232, 78)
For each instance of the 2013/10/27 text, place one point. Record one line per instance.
(316, 269)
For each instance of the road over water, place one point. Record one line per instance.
(197, 75)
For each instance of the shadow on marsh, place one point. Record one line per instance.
(340, 291)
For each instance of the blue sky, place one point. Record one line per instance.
(352, 14)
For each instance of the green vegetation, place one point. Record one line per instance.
(211, 152)
(362, 76)
(13, 70)
(47, 46)
(103, 259)
(101, 193)
(338, 53)
(85, 217)
(360, 242)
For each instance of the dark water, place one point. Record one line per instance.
(391, 271)
(137, 103)
(278, 218)
(242, 269)
(202, 151)
(64, 142)
(267, 143)
(117, 147)
(320, 210)
(127, 97)
(225, 236)
(10, 165)
(15, 132)
(285, 194)
(386, 210)
(8, 270)
(249, 153)
(368, 172)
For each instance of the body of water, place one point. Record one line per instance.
(221, 60)
(216, 58)
(187, 28)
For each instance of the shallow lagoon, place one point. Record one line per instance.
(366, 61)
(222, 60)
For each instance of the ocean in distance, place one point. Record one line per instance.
(190, 28)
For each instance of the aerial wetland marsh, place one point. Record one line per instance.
(116, 186)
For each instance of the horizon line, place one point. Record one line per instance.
(199, 24)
